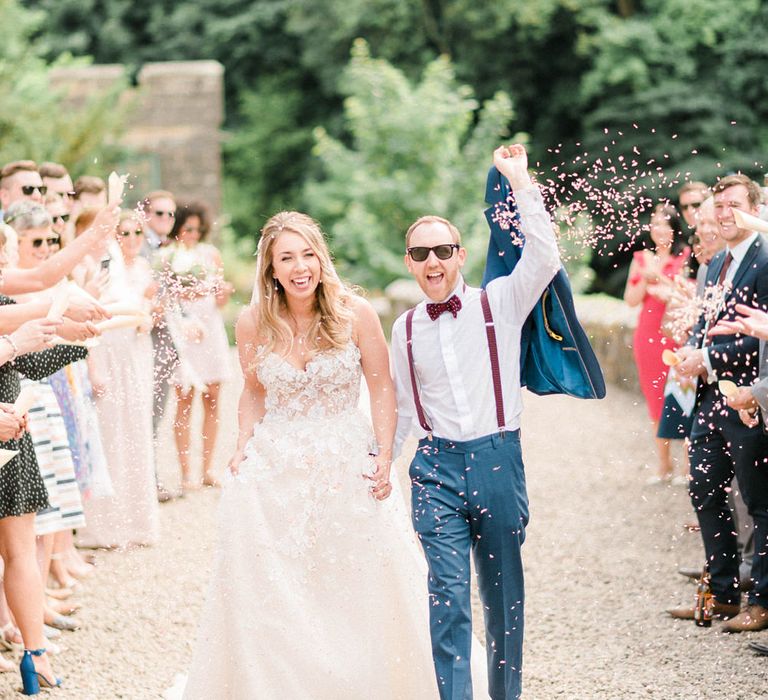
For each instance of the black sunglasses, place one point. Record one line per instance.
(60, 217)
(53, 240)
(692, 205)
(125, 234)
(443, 252)
(169, 214)
(29, 189)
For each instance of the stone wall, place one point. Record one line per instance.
(173, 117)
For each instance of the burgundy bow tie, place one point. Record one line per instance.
(453, 305)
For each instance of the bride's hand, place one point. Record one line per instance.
(382, 486)
(234, 463)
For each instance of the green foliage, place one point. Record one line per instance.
(263, 159)
(36, 121)
(690, 74)
(415, 149)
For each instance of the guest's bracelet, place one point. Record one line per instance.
(14, 347)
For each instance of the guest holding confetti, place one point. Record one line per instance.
(650, 284)
(202, 341)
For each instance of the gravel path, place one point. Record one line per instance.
(601, 556)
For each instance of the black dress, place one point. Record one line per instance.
(21, 485)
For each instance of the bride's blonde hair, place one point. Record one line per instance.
(332, 328)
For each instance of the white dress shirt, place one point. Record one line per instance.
(451, 359)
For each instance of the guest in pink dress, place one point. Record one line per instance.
(650, 281)
(200, 337)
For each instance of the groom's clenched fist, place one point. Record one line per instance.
(512, 162)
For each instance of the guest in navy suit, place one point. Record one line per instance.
(721, 444)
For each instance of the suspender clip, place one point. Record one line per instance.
(503, 432)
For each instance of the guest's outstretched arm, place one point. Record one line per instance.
(59, 265)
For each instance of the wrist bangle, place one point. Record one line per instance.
(14, 347)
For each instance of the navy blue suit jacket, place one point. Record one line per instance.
(733, 357)
(555, 354)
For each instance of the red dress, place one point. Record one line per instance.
(648, 341)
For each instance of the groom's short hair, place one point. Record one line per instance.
(432, 219)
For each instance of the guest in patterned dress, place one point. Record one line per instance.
(22, 491)
(32, 223)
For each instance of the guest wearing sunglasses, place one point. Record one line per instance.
(60, 219)
(49, 426)
(59, 183)
(20, 180)
(160, 212)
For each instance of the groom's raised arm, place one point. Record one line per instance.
(539, 262)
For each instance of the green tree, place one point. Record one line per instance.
(37, 121)
(415, 149)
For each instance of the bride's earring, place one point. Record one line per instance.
(277, 286)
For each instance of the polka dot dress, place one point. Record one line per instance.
(21, 485)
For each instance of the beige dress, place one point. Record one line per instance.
(203, 360)
(123, 362)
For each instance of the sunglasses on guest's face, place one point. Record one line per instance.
(161, 214)
(29, 189)
(443, 252)
(137, 232)
(60, 217)
(38, 242)
(691, 205)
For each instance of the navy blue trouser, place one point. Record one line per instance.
(715, 456)
(471, 495)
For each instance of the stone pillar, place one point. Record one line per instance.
(178, 118)
(173, 121)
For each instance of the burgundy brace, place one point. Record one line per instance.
(490, 333)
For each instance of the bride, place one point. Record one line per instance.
(318, 588)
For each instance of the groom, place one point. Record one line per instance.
(456, 366)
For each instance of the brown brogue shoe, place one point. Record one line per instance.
(720, 611)
(754, 618)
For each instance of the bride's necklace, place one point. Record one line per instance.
(301, 337)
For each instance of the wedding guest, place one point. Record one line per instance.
(706, 244)
(90, 193)
(59, 183)
(159, 208)
(122, 382)
(60, 220)
(22, 490)
(649, 284)
(46, 424)
(19, 180)
(741, 268)
(202, 347)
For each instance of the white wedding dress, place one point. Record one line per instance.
(318, 591)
